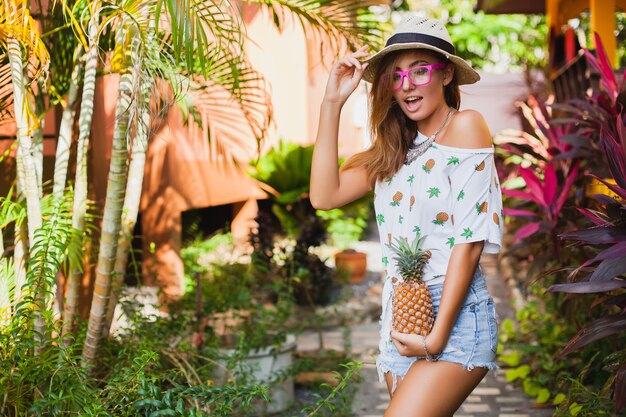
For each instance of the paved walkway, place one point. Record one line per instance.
(494, 397)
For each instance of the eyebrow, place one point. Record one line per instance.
(414, 63)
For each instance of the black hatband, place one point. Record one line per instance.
(421, 38)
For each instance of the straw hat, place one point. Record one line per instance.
(415, 32)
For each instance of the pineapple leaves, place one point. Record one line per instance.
(410, 257)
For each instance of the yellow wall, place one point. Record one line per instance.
(602, 14)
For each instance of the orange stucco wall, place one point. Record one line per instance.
(297, 69)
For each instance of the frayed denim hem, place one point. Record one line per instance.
(382, 367)
(491, 366)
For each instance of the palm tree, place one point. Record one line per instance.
(116, 185)
(80, 184)
(20, 38)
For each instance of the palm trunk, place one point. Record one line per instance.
(24, 149)
(7, 281)
(80, 185)
(31, 187)
(111, 222)
(61, 160)
(20, 236)
(39, 105)
(20, 259)
(5, 299)
(132, 199)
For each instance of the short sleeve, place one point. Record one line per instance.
(476, 200)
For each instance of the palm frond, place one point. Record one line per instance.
(59, 37)
(11, 211)
(335, 23)
(6, 90)
(49, 251)
(234, 103)
(17, 23)
(7, 289)
(195, 27)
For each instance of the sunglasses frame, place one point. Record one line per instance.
(405, 74)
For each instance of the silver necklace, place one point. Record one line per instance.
(415, 151)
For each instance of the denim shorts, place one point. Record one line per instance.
(472, 343)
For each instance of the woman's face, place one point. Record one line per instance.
(419, 102)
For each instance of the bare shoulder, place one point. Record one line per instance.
(468, 129)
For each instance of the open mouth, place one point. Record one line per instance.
(413, 102)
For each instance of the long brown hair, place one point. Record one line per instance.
(391, 131)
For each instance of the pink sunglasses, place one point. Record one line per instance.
(418, 75)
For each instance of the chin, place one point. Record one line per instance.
(418, 115)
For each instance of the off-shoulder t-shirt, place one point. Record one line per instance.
(450, 195)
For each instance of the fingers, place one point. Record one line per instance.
(407, 344)
(361, 52)
(402, 349)
(354, 59)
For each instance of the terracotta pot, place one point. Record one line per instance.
(353, 262)
(317, 377)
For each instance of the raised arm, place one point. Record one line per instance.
(329, 187)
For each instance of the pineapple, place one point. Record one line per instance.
(496, 219)
(480, 166)
(412, 303)
(411, 203)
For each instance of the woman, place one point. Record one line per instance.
(432, 169)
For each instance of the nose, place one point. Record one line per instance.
(406, 84)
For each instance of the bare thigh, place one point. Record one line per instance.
(432, 389)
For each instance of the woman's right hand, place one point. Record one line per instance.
(345, 76)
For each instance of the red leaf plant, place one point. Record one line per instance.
(545, 195)
(607, 269)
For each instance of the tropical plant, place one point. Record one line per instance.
(542, 171)
(284, 173)
(605, 271)
(598, 251)
(284, 238)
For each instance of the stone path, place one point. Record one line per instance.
(494, 397)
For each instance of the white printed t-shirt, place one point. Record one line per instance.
(450, 195)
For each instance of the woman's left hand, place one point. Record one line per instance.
(413, 345)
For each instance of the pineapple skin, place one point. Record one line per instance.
(412, 308)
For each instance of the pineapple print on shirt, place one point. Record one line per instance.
(397, 197)
(428, 166)
(443, 195)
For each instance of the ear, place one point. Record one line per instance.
(448, 74)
